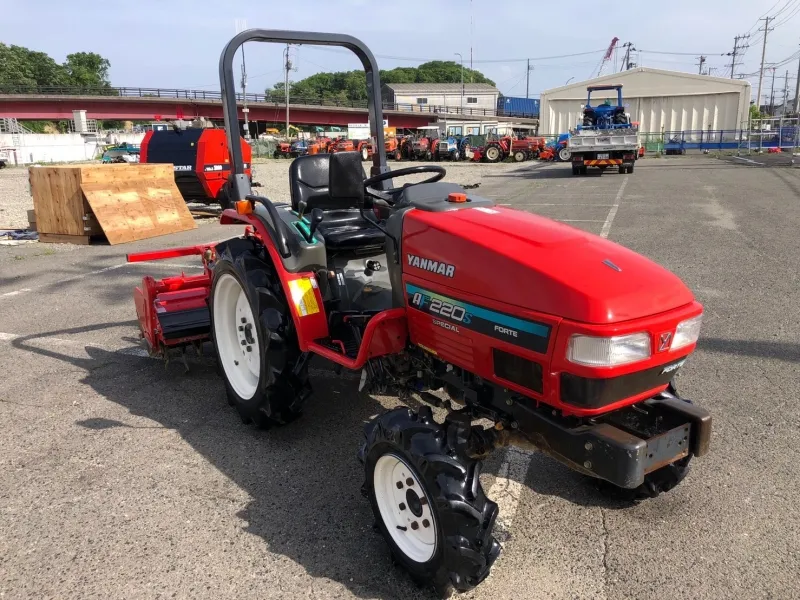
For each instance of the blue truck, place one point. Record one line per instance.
(605, 137)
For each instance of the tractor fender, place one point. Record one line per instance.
(280, 293)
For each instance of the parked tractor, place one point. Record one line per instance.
(453, 149)
(392, 145)
(283, 149)
(531, 333)
(363, 147)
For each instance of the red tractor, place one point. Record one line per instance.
(363, 147)
(283, 150)
(560, 339)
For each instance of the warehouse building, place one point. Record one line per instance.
(421, 95)
(658, 100)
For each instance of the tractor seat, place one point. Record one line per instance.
(335, 184)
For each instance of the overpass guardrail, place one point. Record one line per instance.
(179, 94)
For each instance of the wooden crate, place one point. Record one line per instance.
(122, 202)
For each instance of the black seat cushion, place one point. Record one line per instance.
(346, 230)
(334, 183)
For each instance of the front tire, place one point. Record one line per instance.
(428, 501)
(519, 156)
(364, 153)
(564, 154)
(255, 341)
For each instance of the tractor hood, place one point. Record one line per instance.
(538, 264)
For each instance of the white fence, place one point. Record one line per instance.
(59, 147)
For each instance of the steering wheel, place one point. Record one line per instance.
(388, 195)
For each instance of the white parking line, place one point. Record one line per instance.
(15, 292)
(507, 489)
(748, 160)
(580, 221)
(613, 212)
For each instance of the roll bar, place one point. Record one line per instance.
(241, 184)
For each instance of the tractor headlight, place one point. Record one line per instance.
(687, 332)
(608, 351)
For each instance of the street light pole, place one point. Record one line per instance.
(461, 58)
(568, 80)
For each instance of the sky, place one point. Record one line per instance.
(176, 43)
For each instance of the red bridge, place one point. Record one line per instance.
(148, 104)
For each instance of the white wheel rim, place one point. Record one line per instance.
(565, 154)
(492, 153)
(405, 508)
(235, 332)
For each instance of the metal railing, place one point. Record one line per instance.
(272, 99)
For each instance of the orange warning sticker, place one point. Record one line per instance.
(303, 296)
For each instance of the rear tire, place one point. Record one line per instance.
(576, 169)
(493, 154)
(255, 341)
(427, 499)
(630, 168)
(364, 153)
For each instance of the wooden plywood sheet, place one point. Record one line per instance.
(130, 207)
(57, 199)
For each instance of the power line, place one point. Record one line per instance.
(682, 53)
(485, 61)
(788, 17)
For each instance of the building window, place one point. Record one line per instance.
(472, 100)
(454, 131)
(422, 100)
(473, 130)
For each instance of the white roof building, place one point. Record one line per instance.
(658, 100)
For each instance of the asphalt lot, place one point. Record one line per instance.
(120, 478)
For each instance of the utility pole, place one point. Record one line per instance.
(241, 25)
(626, 61)
(288, 67)
(785, 92)
(245, 110)
(461, 58)
(737, 48)
(772, 95)
(763, 54)
(797, 91)
(528, 80)
(470, 41)
(700, 64)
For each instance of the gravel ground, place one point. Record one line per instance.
(15, 200)
(273, 175)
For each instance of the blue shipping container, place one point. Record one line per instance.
(509, 106)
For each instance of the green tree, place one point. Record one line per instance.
(755, 113)
(29, 69)
(351, 86)
(87, 69)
